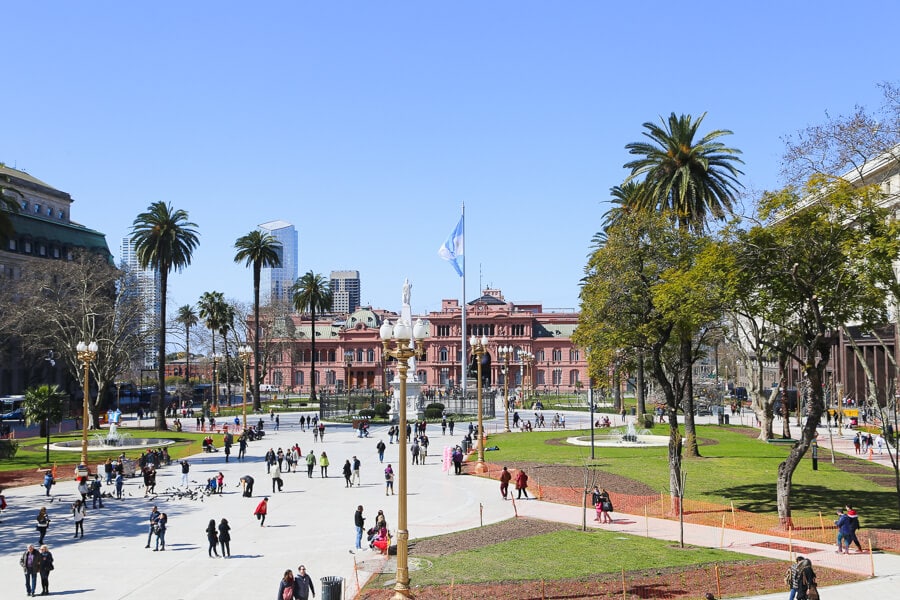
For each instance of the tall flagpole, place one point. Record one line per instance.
(465, 356)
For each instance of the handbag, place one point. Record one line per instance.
(288, 592)
(812, 593)
(607, 506)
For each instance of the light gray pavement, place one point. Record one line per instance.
(311, 522)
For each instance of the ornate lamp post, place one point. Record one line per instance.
(86, 354)
(506, 353)
(527, 359)
(479, 347)
(245, 352)
(396, 345)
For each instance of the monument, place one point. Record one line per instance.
(415, 403)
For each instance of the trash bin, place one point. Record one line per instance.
(465, 446)
(331, 588)
(633, 410)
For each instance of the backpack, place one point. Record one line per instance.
(789, 578)
(288, 593)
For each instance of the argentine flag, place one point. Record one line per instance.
(453, 249)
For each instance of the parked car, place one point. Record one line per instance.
(15, 415)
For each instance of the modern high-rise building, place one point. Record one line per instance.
(345, 291)
(276, 282)
(145, 284)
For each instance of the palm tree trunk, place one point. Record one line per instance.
(161, 375)
(227, 372)
(187, 356)
(257, 402)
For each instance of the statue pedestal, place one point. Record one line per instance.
(414, 410)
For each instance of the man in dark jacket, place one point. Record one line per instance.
(360, 522)
(304, 584)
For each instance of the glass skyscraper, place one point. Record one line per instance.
(275, 282)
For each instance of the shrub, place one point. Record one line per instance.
(8, 448)
(647, 421)
(382, 409)
(367, 413)
(436, 405)
(433, 413)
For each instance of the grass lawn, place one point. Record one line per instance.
(563, 554)
(31, 452)
(734, 467)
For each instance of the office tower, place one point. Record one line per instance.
(345, 291)
(275, 282)
(144, 284)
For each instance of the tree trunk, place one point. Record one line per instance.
(639, 392)
(690, 430)
(782, 386)
(161, 404)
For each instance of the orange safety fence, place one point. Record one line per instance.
(819, 528)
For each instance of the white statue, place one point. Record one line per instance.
(406, 292)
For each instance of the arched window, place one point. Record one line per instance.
(573, 376)
(574, 355)
(370, 355)
(423, 377)
(298, 377)
(444, 354)
(359, 355)
(330, 378)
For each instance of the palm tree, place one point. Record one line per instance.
(187, 318)
(257, 250)
(212, 310)
(687, 179)
(44, 404)
(163, 239)
(312, 293)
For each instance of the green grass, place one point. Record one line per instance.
(566, 555)
(31, 453)
(733, 468)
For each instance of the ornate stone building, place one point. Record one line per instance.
(349, 349)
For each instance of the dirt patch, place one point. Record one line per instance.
(480, 537)
(573, 477)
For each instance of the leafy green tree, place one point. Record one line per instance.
(824, 258)
(187, 318)
(690, 181)
(225, 326)
(257, 250)
(312, 293)
(164, 240)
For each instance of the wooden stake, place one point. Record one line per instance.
(871, 557)
(722, 539)
(718, 583)
(647, 520)
(791, 543)
(822, 527)
(451, 588)
(733, 516)
(543, 597)
(624, 589)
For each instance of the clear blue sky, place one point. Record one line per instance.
(368, 124)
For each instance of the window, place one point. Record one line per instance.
(573, 377)
(13, 245)
(518, 329)
(444, 375)
(298, 377)
(539, 377)
(557, 376)
(27, 247)
(24, 205)
(277, 357)
(42, 250)
(331, 356)
(539, 356)
(423, 377)
(37, 208)
(49, 211)
(370, 355)
(55, 252)
(61, 214)
(557, 355)
(330, 378)
(443, 330)
(276, 378)
(574, 355)
(359, 355)
(443, 354)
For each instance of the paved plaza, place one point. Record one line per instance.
(310, 523)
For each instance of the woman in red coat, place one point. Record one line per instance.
(261, 510)
(521, 484)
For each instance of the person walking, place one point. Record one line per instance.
(380, 447)
(43, 523)
(161, 525)
(30, 563)
(323, 464)
(414, 450)
(212, 536)
(604, 507)
(356, 465)
(310, 463)
(853, 520)
(505, 478)
(262, 509)
(185, 470)
(359, 521)
(450, 425)
(48, 482)
(108, 469)
(287, 587)
(457, 458)
(304, 584)
(521, 484)
(348, 471)
(78, 513)
(276, 478)
(96, 491)
(154, 518)
(242, 446)
(389, 480)
(225, 538)
(44, 567)
(802, 577)
(322, 432)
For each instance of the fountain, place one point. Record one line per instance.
(627, 437)
(113, 440)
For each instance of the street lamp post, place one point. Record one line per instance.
(245, 352)
(396, 345)
(348, 362)
(215, 382)
(527, 359)
(478, 349)
(86, 354)
(505, 355)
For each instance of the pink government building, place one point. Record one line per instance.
(349, 349)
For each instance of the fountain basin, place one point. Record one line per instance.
(98, 444)
(617, 440)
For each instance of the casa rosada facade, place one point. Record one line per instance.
(350, 352)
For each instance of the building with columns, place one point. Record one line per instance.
(349, 349)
